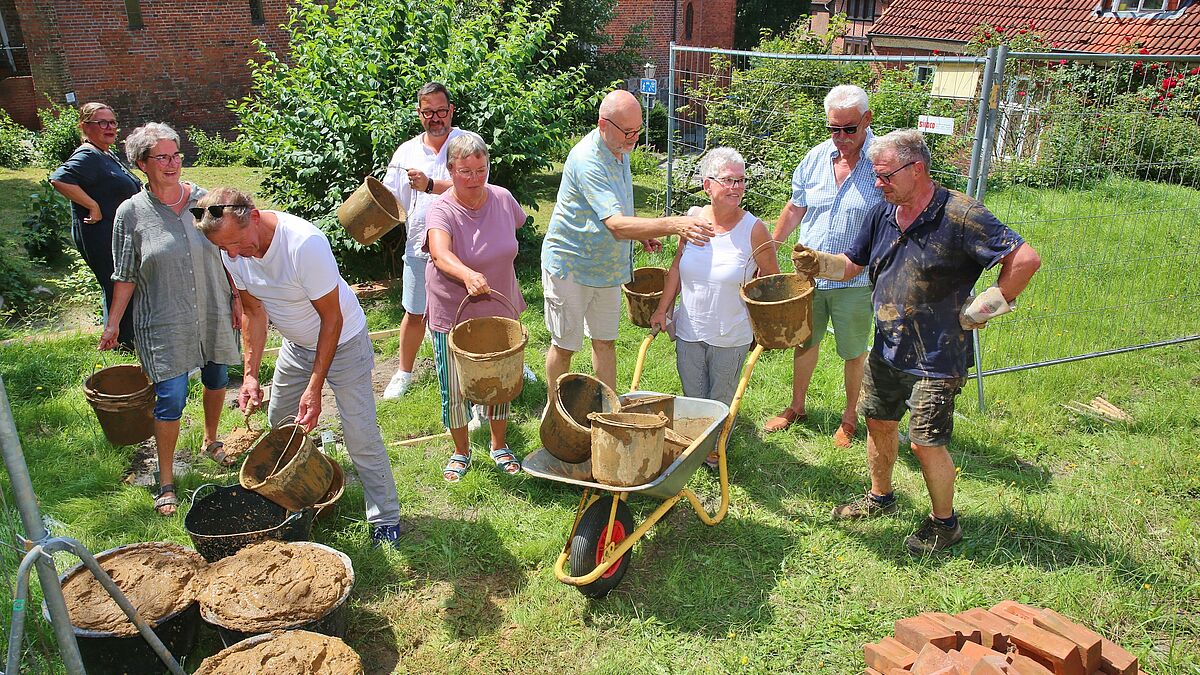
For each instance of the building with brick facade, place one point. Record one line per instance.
(700, 23)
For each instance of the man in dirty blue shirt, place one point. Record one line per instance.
(924, 250)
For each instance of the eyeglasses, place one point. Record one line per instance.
(168, 159)
(887, 177)
(467, 173)
(629, 135)
(103, 124)
(731, 182)
(440, 113)
(849, 129)
(214, 210)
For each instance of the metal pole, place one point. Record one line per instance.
(670, 126)
(35, 531)
(976, 178)
(646, 126)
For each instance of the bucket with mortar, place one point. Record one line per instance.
(370, 212)
(566, 431)
(780, 308)
(287, 468)
(123, 398)
(627, 448)
(489, 355)
(643, 293)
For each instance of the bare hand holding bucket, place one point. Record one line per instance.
(476, 283)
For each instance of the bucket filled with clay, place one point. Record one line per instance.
(123, 399)
(224, 520)
(643, 293)
(285, 652)
(627, 448)
(370, 212)
(287, 468)
(566, 431)
(329, 500)
(275, 585)
(780, 308)
(161, 580)
(489, 355)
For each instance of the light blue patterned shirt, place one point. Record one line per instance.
(835, 214)
(595, 186)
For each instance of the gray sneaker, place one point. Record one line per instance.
(932, 537)
(864, 507)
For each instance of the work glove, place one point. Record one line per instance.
(980, 308)
(812, 263)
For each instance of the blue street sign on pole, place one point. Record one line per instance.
(649, 86)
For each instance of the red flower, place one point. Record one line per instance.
(999, 29)
(1152, 66)
(1031, 26)
(1021, 93)
(1143, 50)
(1063, 62)
(1194, 71)
(937, 52)
(1056, 45)
(1137, 65)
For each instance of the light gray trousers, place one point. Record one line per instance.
(350, 379)
(709, 372)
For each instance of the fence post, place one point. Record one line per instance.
(973, 181)
(670, 127)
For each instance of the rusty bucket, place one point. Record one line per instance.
(643, 293)
(489, 355)
(287, 468)
(370, 212)
(627, 448)
(123, 399)
(565, 429)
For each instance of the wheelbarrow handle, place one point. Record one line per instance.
(462, 305)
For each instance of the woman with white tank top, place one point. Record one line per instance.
(711, 325)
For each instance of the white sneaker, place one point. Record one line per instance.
(399, 384)
(477, 415)
(530, 376)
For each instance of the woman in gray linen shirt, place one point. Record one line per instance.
(185, 311)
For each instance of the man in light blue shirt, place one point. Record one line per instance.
(588, 249)
(833, 189)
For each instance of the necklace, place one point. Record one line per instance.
(182, 195)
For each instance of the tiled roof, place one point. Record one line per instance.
(1069, 25)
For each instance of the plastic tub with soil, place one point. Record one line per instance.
(285, 653)
(275, 585)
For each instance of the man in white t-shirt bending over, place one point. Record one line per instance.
(286, 273)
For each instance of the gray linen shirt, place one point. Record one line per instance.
(182, 303)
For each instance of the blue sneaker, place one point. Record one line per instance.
(388, 534)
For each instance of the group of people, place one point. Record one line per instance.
(184, 270)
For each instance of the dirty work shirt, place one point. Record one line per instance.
(181, 304)
(596, 185)
(414, 154)
(834, 213)
(922, 278)
(484, 239)
(298, 268)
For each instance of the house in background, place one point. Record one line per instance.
(697, 23)
(860, 17)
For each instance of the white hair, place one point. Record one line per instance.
(718, 158)
(845, 97)
(466, 144)
(907, 144)
(142, 140)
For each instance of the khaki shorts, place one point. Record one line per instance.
(574, 310)
(887, 393)
(852, 315)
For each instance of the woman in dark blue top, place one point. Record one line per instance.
(96, 181)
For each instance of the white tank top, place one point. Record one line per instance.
(710, 276)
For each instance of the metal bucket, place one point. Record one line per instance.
(643, 293)
(285, 467)
(780, 308)
(627, 448)
(123, 399)
(566, 431)
(370, 212)
(489, 355)
(650, 405)
(228, 519)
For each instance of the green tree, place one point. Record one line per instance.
(583, 26)
(756, 17)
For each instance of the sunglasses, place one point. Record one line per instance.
(849, 129)
(215, 210)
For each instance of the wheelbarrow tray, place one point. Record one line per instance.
(542, 464)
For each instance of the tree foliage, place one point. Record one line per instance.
(756, 18)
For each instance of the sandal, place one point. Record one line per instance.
(844, 436)
(166, 497)
(784, 420)
(510, 465)
(713, 461)
(456, 468)
(216, 451)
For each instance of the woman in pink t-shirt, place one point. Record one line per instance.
(471, 237)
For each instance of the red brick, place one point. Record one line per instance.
(888, 653)
(932, 661)
(1015, 611)
(991, 665)
(898, 671)
(1059, 653)
(1115, 660)
(1086, 641)
(1023, 665)
(963, 630)
(871, 671)
(976, 652)
(994, 628)
(917, 631)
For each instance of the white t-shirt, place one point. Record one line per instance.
(298, 268)
(414, 154)
(711, 309)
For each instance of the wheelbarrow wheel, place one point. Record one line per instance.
(590, 540)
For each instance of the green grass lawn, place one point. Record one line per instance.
(1099, 522)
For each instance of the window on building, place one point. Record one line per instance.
(923, 74)
(133, 10)
(688, 16)
(860, 10)
(256, 12)
(1139, 5)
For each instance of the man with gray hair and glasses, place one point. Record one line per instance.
(923, 249)
(286, 273)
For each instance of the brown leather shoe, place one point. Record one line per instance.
(783, 420)
(844, 436)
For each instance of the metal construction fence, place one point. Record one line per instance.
(1094, 159)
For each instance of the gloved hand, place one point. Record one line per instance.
(979, 309)
(812, 263)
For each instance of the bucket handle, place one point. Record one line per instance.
(777, 245)
(462, 305)
(292, 517)
(196, 493)
(285, 445)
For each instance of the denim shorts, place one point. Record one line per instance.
(413, 297)
(887, 393)
(172, 393)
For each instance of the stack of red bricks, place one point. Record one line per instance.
(1010, 639)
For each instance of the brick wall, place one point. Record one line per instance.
(19, 101)
(712, 26)
(181, 67)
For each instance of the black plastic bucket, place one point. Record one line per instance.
(230, 518)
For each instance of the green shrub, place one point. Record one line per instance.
(59, 135)
(658, 126)
(16, 146)
(214, 150)
(47, 224)
(16, 276)
(643, 162)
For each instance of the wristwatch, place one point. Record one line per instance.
(429, 186)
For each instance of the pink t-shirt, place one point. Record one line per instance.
(484, 239)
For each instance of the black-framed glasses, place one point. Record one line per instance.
(887, 177)
(103, 124)
(731, 182)
(214, 210)
(440, 113)
(168, 158)
(629, 135)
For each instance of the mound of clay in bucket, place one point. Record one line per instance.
(273, 584)
(285, 652)
(159, 578)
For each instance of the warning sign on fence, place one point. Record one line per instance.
(936, 125)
